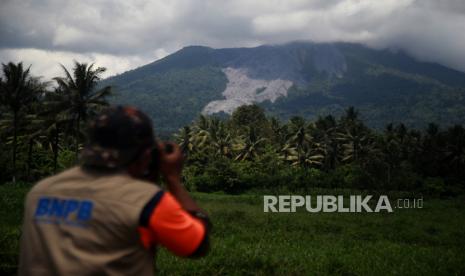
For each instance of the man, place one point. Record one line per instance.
(106, 216)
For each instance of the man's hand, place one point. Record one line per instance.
(171, 161)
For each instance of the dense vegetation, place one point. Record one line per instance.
(42, 132)
(42, 127)
(195, 88)
(382, 94)
(385, 86)
(251, 151)
(246, 241)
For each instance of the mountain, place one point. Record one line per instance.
(300, 78)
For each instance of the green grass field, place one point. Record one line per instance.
(246, 241)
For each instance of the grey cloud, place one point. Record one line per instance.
(449, 6)
(428, 29)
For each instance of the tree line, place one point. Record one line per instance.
(42, 127)
(41, 123)
(252, 151)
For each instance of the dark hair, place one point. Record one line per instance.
(117, 137)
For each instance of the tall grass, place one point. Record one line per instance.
(247, 241)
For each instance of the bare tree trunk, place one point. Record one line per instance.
(389, 176)
(78, 132)
(55, 150)
(15, 141)
(29, 159)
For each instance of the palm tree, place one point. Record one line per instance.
(325, 123)
(432, 153)
(300, 148)
(325, 131)
(455, 150)
(278, 132)
(332, 149)
(221, 140)
(248, 145)
(310, 155)
(54, 121)
(17, 90)
(33, 131)
(84, 99)
(186, 140)
(390, 146)
(351, 116)
(195, 138)
(299, 135)
(358, 145)
(203, 122)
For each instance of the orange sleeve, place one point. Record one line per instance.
(169, 225)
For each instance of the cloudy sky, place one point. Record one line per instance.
(122, 34)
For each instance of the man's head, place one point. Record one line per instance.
(121, 137)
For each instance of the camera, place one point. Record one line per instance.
(152, 173)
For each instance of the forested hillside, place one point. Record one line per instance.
(385, 85)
